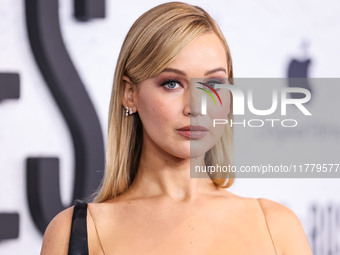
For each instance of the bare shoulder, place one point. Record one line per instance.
(57, 234)
(285, 227)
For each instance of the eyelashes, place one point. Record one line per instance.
(170, 84)
(213, 82)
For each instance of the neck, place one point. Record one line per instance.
(163, 175)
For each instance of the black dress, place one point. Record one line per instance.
(78, 238)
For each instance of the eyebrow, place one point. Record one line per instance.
(183, 73)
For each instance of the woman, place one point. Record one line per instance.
(148, 203)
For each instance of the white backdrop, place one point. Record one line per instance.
(263, 36)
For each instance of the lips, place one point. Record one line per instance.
(193, 132)
(193, 128)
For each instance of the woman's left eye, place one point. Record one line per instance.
(170, 84)
(213, 83)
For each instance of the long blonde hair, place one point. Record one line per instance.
(153, 41)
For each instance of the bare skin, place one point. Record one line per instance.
(165, 211)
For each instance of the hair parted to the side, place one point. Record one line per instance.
(152, 43)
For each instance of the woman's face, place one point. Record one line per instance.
(169, 102)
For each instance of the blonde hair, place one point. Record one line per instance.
(153, 41)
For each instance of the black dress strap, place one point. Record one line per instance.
(78, 238)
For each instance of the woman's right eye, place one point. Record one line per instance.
(170, 84)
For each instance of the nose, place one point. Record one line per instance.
(193, 101)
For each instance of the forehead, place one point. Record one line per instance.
(205, 52)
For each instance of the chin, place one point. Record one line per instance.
(197, 153)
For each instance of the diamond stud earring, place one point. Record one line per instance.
(127, 111)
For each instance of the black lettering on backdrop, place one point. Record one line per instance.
(43, 191)
(9, 86)
(325, 229)
(9, 89)
(298, 72)
(9, 226)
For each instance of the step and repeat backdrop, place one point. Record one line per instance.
(57, 59)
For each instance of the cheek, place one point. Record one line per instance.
(221, 112)
(227, 101)
(155, 110)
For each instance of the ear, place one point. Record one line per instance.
(129, 94)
